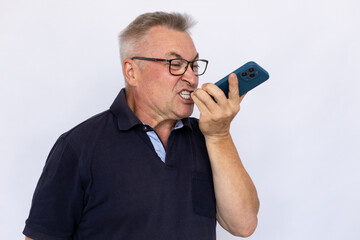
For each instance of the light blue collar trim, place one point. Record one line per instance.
(156, 142)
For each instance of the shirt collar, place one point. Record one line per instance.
(126, 119)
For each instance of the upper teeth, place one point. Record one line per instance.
(185, 94)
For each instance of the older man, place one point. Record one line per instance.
(143, 169)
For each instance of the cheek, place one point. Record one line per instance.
(162, 84)
(158, 83)
(153, 90)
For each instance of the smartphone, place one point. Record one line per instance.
(249, 76)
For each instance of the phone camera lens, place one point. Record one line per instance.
(252, 75)
(251, 69)
(244, 74)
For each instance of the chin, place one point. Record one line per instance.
(185, 114)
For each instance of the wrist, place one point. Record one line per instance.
(218, 138)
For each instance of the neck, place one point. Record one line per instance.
(161, 125)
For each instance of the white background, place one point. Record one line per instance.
(298, 133)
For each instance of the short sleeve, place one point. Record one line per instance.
(58, 198)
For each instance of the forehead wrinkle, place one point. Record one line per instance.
(174, 54)
(177, 55)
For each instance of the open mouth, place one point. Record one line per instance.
(185, 94)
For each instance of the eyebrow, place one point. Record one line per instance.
(179, 56)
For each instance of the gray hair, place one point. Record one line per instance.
(131, 37)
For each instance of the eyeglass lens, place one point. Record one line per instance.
(178, 67)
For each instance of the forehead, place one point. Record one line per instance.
(164, 42)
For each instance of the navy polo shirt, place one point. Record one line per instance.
(104, 180)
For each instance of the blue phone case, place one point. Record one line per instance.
(249, 75)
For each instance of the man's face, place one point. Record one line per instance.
(158, 92)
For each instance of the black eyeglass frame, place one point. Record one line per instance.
(170, 60)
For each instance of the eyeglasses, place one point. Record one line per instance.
(178, 66)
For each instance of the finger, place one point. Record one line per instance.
(199, 103)
(233, 87)
(206, 99)
(215, 92)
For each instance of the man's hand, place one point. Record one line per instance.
(237, 203)
(215, 117)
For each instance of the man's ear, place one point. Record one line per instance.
(129, 70)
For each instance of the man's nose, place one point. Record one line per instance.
(190, 77)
